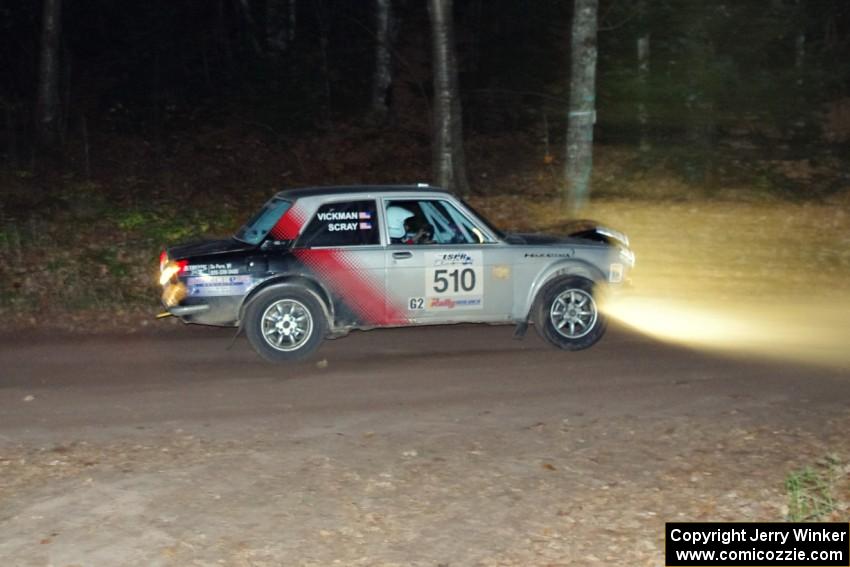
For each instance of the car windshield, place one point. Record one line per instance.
(483, 220)
(256, 229)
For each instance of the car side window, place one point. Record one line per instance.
(347, 223)
(430, 221)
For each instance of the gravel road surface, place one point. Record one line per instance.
(430, 446)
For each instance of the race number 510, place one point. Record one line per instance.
(454, 274)
(454, 281)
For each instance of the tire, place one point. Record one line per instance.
(285, 324)
(567, 313)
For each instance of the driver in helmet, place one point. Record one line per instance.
(417, 232)
(405, 228)
(396, 217)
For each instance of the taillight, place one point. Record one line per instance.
(172, 269)
(163, 260)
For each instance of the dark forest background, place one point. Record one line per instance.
(176, 118)
(766, 73)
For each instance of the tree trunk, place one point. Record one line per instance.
(449, 169)
(700, 104)
(382, 78)
(643, 78)
(250, 27)
(11, 135)
(222, 35)
(47, 112)
(323, 20)
(293, 14)
(582, 111)
(280, 25)
(277, 39)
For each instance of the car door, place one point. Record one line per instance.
(440, 264)
(341, 247)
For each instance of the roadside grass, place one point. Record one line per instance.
(80, 260)
(812, 490)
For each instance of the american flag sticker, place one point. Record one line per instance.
(364, 215)
(365, 225)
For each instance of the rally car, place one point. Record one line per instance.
(317, 262)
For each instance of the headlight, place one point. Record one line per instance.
(628, 257)
(613, 234)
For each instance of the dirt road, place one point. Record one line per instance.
(442, 446)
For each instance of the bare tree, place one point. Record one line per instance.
(323, 20)
(293, 15)
(581, 115)
(643, 46)
(449, 162)
(383, 76)
(280, 24)
(250, 28)
(701, 99)
(47, 111)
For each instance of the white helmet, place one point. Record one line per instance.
(395, 220)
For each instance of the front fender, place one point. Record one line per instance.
(571, 267)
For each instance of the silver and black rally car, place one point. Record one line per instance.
(318, 262)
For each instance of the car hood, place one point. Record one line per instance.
(534, 239)
(207, 248)
(569, 232)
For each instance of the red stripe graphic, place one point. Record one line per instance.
(289, 225)
(353, 284)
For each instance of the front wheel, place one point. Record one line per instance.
(285, 325)
(567, 313)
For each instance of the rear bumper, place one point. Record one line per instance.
(207, 310)
(184, 310)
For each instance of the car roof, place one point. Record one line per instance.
(302, 192)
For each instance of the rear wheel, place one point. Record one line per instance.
(567, 313)
(285, 325)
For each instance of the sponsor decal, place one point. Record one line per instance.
(210, 286)
(615, 273)
(454, 303)
(455, 258)
(225, 269)
(501, 272)
(562, 254)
